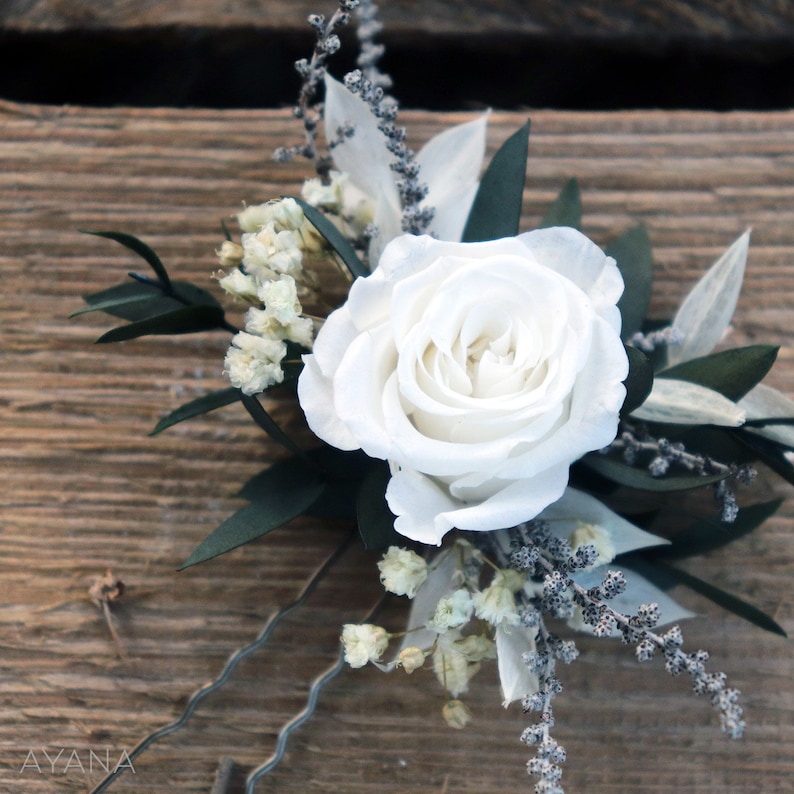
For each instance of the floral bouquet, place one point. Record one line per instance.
(490, 407)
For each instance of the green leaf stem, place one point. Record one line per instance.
(140, 248)
(202, 405)
(335, 239)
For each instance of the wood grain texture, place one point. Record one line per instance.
(612, 19)
(84, 488)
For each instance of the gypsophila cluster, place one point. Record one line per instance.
(268, 274)
(458, 629)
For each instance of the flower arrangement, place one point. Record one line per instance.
(484, 400)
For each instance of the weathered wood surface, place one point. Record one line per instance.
(84, 488)
(768, 19)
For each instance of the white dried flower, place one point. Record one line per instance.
(475, 647)
(411, 658)
(230, 254)
(240, 285)
(354, 209)
(402, 571)
(456, 714)
(263, 323)
(329, 195)
(451, 611)
(510, 578)
(287, 214)
(280, 297)
(363, 642)
(283, 214)
(496, 605)
(594, 535)
(270, 253)
(453, 670)
(301, 331)
(253, 363)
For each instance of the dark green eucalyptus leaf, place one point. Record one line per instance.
(639, 381)
(335, 239)
(731, 373)
(153, 300)
(202, 405)
(770, 421)
(344, 473)
(496, 211)
(283, 494)
(768, 452)
(269, 425)
(266, 485)
(642, 479)
(341, 471)
(375, 520)
(184, 320)
(113, 305)
(190, 294)
(140, 248)
(661, 574)
(566, 209)
(337, 502)
(338, 464)
(718, 443)
(706, 535)
(632, 252)
(583, 478)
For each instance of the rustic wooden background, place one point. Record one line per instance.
(575, 54)
(704, 19)
(84, 489)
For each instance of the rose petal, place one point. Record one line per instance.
(570, 253)
(420, 505)
(316, 398)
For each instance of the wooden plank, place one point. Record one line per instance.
(84, 489)
(611, 19)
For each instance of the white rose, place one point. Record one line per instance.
(480, 371)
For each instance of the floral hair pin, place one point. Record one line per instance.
(483, 399)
